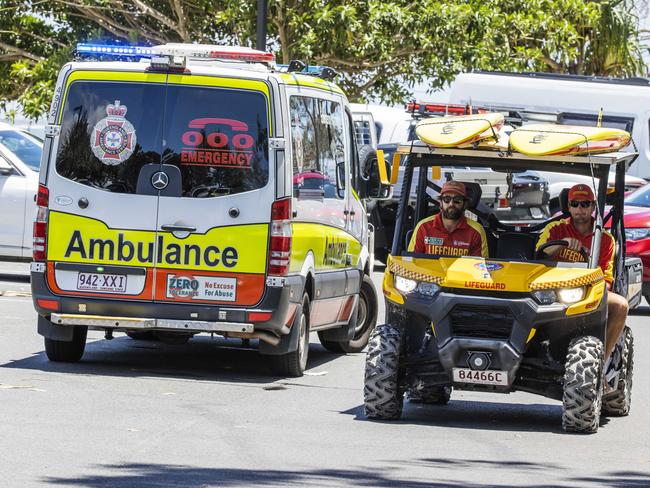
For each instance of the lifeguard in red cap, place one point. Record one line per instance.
(577, 231)
(450, 233)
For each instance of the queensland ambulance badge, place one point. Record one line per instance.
(113, 138)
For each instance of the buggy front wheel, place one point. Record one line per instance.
(383, 398)
(582, 395)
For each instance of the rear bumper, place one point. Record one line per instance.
(279, 301)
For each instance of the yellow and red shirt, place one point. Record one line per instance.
(431, 237)
(562, 229)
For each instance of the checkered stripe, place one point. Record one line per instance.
(414, 275)
(590, 279)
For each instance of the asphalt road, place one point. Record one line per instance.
(209, 414)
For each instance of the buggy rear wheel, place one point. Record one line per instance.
(438, 395)
(383, 398)
(618, 402)
(582, 398)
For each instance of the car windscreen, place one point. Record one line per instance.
(24, 147)
(218, 138)
(640, 198)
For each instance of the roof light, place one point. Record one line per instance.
(207, 51)
(441, 108)
(115, 50)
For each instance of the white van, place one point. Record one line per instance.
(566, 99)
(202, 189)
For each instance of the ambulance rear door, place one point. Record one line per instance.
(214, 214)
(101, 237)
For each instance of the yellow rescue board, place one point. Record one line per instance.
(551, 139)
(457, 130)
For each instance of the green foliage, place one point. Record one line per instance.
(382, 48)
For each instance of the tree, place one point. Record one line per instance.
(382, 48)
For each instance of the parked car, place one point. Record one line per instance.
(637, 231)
(20, 158)
(524, 199)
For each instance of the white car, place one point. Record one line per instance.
(20, 158)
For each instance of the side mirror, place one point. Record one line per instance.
(381, 177)
(5, 168)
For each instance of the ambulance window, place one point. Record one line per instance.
(318, 144)
(218, 138)
(109, 130)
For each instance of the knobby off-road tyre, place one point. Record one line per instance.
(382, 396)
(293, 364)
(67, 352)
(438, 395)
(582, 399)
(618, 402)
(366, 320)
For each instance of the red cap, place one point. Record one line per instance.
(454, 187)
(581, 192)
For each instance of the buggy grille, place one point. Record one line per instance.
(481, 322)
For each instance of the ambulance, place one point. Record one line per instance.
(190, 189)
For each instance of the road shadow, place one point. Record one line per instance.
(479, 415)
(388, 475)
(203, 359)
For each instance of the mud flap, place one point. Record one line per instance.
(288, 343)
(53, 331)
(345, 332)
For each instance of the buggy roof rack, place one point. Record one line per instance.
(429, 156)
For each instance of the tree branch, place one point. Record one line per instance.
(21, 52)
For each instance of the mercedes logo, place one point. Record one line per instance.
(159, 180)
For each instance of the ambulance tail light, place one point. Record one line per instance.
(280, 248)
(39, 246)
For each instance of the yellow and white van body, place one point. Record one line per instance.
(208, 198)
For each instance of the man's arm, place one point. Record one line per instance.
(551, 233)
(606, 261)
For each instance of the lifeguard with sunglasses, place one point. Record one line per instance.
(449, 232)
(577, 231)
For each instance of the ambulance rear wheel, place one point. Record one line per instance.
(294, 363)
(365, 321)
(137, 335)
(67, 352)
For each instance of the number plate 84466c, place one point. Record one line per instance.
(487, 377)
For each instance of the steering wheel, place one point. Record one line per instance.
(540, 254)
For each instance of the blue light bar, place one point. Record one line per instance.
(308, 70)
(116, 50)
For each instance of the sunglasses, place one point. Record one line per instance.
(456, 200)
(582, 203)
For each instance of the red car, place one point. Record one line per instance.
(637, 231)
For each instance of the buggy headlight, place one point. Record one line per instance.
(545, 297)
(428, 289)
(571, 295)
(404, 284)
